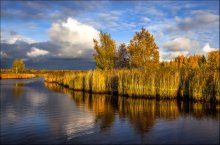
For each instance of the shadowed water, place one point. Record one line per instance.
(36, 112)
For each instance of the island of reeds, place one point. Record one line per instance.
(135, 71)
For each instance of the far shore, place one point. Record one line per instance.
(19, 75)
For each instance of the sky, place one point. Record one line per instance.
(59, 34)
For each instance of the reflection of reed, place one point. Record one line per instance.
(199, 110)
(140, 112)
(167, 109)
(57, 88)
(18, 89)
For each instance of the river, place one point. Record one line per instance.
(33, 111)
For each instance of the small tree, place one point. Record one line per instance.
(122, 57)
(105, 51)
(143, 50)
(18, 66)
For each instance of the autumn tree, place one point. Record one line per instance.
(180, 61)
(122, 57)
(213, 60)
(105, 51)
(18, 66)
(143, 50)
(193, 61)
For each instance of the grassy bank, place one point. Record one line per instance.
(165, 83)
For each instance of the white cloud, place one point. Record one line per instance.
(207, 48)
(3, 54)
(74, 37)
(12, 39)
(35, 52)
(180, 43)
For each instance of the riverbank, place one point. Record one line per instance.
(196, 84)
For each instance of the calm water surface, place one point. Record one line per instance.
(36, 112)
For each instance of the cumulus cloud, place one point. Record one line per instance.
(180, 43)
(206, 49)
(35, 52)
(74, 38)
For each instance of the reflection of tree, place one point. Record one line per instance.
(100, 105)
(18, 89)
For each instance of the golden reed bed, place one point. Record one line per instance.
(200, 84)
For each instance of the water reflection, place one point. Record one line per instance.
(18, 89)
(39, 115)
(99, 105)
(141, 113)
(57, 115)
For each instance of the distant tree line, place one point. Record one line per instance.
(195, 61)
(142, 52)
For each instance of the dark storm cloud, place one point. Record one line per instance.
(52, 63)
(17, 50)
(20, 48)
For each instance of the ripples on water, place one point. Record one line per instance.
(36, 112)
